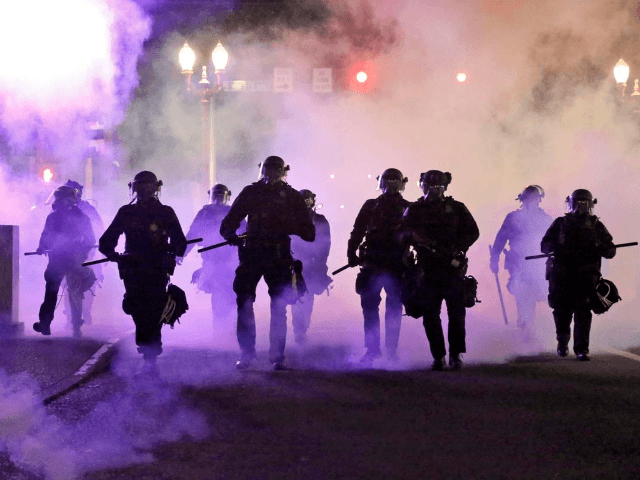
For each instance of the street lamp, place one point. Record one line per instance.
(208, 97)
(621, 74)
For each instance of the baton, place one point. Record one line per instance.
(341, 269)
(547, 255)
(221, 244)
(36, 253)
(104, 260)
(504, 311)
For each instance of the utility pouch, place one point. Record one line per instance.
(549, 267)
(298, 285)
(470, 290)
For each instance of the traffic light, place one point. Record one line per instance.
(48, 173)
(363, 77)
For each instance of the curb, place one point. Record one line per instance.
(96, 364)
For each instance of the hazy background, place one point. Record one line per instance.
(540, 106)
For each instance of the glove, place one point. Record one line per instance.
(493, 265)
(40, 251)
(235, 240)
(353, 260)
(113, 257)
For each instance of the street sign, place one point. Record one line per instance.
(283, 80)
(246, 86)
(322, 80)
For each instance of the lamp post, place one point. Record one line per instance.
(621, 74)
(208, 97)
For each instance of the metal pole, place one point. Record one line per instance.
(212, 145)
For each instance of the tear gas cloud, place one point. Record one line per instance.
(539, 107)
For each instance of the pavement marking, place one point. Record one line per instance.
(622, 353)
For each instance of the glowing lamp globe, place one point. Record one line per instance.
(461, 77)
(621, 71)
(361, 76)
(187, 58)
(220, 57)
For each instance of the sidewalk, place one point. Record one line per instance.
(58, 363)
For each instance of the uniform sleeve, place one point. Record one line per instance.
(302, 224)
(468, 232)
(109, 239)
(87, 232)
(323, 236)
(177, 240)
(605, 241)
(360, 227)
(502, 237)
(239, 210)
(47, 235)
(550, 241)
(195, 230)
(96, 220)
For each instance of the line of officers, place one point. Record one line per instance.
(415, 251)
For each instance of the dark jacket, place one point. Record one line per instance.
(273, 212)
(314, 254)
(578, 242)
(150, 228)
(377, 224)
(446, 224)
(67, 233)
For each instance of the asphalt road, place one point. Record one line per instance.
(533, 417)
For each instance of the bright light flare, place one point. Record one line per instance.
(220, 57)
(65, 57)
(47, 174)
(462, 76)
(332, 176)
(621, 71)
(187, 58)
(363, 76)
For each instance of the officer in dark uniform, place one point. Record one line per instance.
(441, 230)
(98, 227)
(314, 257)
(153, 239)
(578, 241)
(218, 266)
(523, 229)
(67, 239)
(381, 263)
(274, 211)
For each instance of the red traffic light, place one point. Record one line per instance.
(363, 77)
(47, 173)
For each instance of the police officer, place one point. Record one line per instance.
(578, 241)
(67, 239)
(98, 227)
(314, 257)
(153, 238)
(523, 229)
(274, 211)
(381, 263)
(441, 230)
(218, 266)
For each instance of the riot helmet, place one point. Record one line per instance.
(65, 197)
(434, 182)
(79, 188)
(581, 202)
(219, 194)
(391, 181)
(273, 170)
(532, 191)
(309, 198)
(145, 184)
